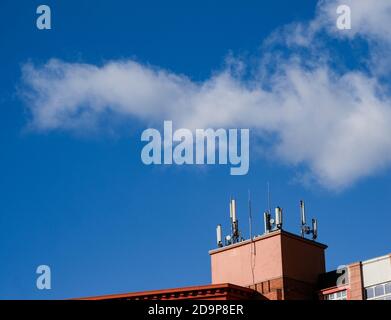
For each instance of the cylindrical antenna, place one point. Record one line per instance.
(302, 213)
(230, 208)
(219, 236)
(278, 212)
(266, 221)
(233, 206)
(314, 229)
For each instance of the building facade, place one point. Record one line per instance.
(363, 280)
(279, 266)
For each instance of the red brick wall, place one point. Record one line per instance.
(271, 289)
(356, 291)
(284, 288)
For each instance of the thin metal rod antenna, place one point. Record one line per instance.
(250, 217)
(252, 244)
(268, 197)
(230, 212)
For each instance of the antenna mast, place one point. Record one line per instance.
(305, 229)
(235, 237)
(271, 224)
(268, 197)
(219, 236)
(250, 217)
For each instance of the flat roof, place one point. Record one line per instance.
(265, 236)
(386, 256)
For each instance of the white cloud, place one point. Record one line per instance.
(369, 18)
(336, 124)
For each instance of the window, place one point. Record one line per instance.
(379, 292)
(388, 287)
(340, 295)
(370, 293)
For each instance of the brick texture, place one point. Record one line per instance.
(285, 288)
(356, 291)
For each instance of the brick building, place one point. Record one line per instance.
(363, 280)
(279, 266)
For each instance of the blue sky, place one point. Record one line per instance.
(82, 202)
